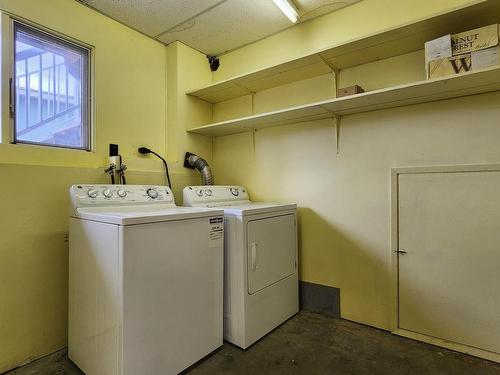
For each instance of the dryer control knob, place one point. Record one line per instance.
(107, 193)
(199, 192)
(121, 193)
(234, 191)
(152, 193)
(92, 193)
(208, 193)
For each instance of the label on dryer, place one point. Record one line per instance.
(215, 231)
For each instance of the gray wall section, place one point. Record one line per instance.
(319, 299)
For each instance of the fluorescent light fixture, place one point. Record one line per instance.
(287, 7)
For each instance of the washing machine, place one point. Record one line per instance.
(145, 281)
(260, 261)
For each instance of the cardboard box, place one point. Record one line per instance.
(463, 52)
(485, 58)
(477, 60)
(474, 40)
(351, 90)
(450, 66)
(437, 49)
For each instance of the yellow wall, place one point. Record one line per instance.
(353, 22)
(131, 109)
(130, 105)
(130, 93)
(187, 69)
(344, 198)
(34, 256)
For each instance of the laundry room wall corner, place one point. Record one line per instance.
(187, 69)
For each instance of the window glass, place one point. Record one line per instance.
(51, 90)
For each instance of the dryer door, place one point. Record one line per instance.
(271, 251)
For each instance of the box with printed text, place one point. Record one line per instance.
(463, 52)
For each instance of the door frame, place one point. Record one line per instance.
(394, 315)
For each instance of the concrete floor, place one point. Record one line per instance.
(313, 344)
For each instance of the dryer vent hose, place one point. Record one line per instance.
(195, 162)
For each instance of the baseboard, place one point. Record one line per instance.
(319, 299)
(485, 354)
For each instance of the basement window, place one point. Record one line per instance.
(50, 90)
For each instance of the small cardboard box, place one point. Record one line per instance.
(351, 90)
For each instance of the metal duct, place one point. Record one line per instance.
(195, 162)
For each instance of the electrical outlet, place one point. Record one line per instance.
(113, 149)
(186, 161)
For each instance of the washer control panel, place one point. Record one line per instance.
(108, 195)
(206, 195)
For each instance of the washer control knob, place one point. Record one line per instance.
(92, 193)
(122, 193)
(208, 193)
(199, 192)
(235, 191)
(152, 193)
(107, 193)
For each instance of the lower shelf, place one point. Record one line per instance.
(483, 81)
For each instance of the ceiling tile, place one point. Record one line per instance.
(230, 25)
(152, 17)
(313, 8)
(210, 26)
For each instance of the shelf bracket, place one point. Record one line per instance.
(249, 92)
(240, 86)
(253, 103)
(332, 67)
(336, 77)
(336, 122)
(253, 143)
(334, 70)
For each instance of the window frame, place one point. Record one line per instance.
(9, 65)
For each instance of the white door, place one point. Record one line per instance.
(271, 251)
(449, 278)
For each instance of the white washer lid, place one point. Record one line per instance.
(253, 208)
(128, 215)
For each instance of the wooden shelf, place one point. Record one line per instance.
(471, 83)
(389, 43)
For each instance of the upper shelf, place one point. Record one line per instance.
(483, 81)
(389, 43)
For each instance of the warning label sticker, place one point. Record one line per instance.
(215, 231)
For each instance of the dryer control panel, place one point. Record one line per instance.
(208, 195)
(110, 195)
